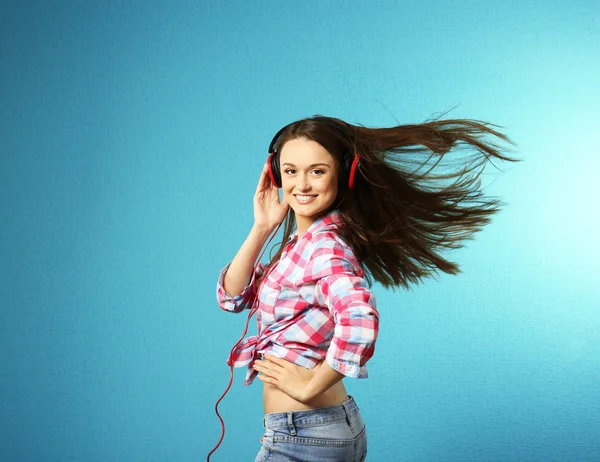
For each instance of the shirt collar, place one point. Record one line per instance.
(331, 220)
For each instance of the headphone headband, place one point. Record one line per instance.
(276, 137)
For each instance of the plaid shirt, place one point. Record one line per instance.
(313, 305)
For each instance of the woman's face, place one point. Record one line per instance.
(309, 179)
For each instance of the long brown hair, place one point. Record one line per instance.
(410, 201)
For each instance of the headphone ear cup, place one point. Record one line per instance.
(345, 171)
(274, 172)
(353, 166)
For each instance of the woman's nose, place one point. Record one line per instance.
(303, 183)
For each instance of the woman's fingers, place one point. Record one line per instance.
(276, 360)
(264, 181)
(268, 208)
(269, 365)
(276, 368)
(270, 370)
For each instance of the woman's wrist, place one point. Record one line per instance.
(261, 231)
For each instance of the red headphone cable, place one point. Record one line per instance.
(253, 310)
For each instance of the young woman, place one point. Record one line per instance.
(359, 204)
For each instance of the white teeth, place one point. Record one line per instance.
(304, 198)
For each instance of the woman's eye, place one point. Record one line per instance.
(318, 172)
(290, 171)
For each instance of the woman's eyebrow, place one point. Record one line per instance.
(310, 166)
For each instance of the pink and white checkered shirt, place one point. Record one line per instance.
(313, 305)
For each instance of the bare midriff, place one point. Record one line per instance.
(275, 400)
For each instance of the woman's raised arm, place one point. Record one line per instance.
(268, 213)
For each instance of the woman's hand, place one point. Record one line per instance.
(285, 375)
(268, 211)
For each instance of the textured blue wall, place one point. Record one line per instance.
(131, 139)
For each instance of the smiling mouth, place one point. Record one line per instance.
(304, 199)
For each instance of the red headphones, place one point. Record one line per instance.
(347, 168)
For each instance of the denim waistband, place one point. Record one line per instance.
(311, 416)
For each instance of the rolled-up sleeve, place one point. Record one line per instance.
(341, 287)
(242, 301)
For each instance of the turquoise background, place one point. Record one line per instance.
(132, 135)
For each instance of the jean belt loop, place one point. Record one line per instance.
(290, 422)
(264, 422)
(345, 406)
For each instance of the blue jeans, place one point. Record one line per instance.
(328, 434)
